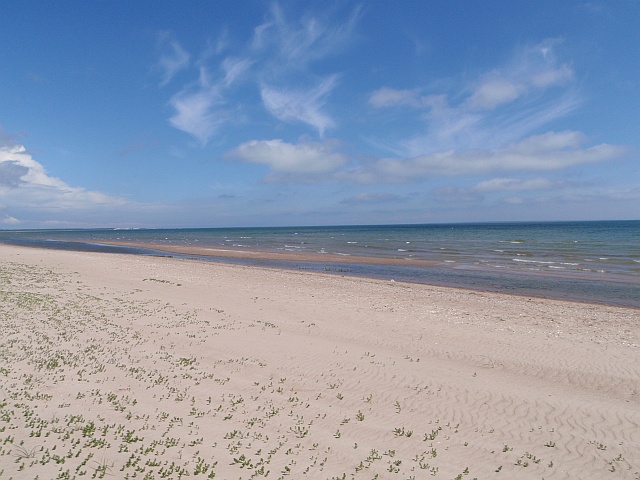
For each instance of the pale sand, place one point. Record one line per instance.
(139, 367)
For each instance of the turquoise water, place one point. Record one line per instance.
(586, 261)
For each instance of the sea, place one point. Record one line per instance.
(597, 261)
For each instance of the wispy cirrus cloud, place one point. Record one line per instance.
(532, 69)
(277, 61)
(301, 105)
(202, 107)
(234, 69)
(502, 105)
(173, 58)
(198, 110)
(290, 89)
(295, 45)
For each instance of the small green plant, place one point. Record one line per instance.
(185, 362)
(432, 435)
(401, 432)
(300, 431)
(243, 461)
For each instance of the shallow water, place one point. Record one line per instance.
(585, 261)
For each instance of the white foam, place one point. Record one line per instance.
(544, 262)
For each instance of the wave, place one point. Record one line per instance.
(543, 262)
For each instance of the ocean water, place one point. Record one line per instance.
(585, 261)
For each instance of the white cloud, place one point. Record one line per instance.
(304, 158)
(493, 92)
(25, 185)
(173, 60)
(500, 106)
(553, 77)
(532, 69)
(390, 97)
(299, 43)
(301, 105)
(513, 184)
(311, 161)
(498, 88)
(199, 106)
(277, 61)
(286, 51)
(234, 68)
(549, 151)
(198, 110)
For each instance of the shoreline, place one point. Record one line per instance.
(433, 273)
(329, 258)
(215, 368)
(271, 254)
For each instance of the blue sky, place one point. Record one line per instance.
(225, 113)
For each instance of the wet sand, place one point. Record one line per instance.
(273, 255)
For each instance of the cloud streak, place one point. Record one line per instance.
(295, 45)
(513, 185)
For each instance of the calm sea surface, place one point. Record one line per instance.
(585, 261)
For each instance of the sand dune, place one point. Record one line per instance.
(136, 367)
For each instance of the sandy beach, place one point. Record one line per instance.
(125, 367)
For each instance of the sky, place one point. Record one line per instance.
(253, 113)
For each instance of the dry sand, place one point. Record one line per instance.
(135, 367)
